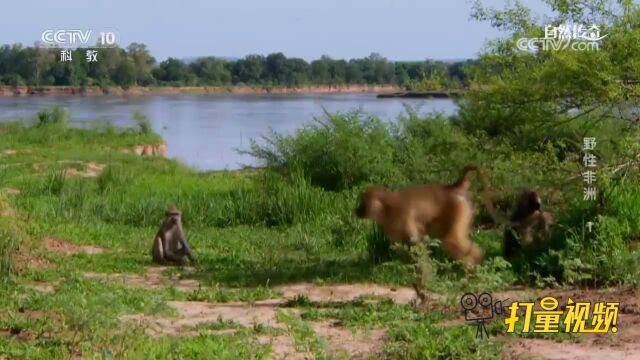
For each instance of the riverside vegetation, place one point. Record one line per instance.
(256, 233)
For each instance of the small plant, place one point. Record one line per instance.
(143, 123)
(111, 178)
(378, 246)
(55, 182)
(55, 115)
(9, 241)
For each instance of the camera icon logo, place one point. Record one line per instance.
(480, 309)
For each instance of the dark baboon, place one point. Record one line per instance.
(530, 225)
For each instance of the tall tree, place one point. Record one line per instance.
(143, 62)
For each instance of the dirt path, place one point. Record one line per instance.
(343, 343)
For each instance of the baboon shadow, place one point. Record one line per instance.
(247, 273)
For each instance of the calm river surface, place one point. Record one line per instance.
(204, 131)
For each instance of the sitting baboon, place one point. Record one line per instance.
(170, 245)
(530, 225)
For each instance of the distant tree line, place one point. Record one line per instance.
(34, 66)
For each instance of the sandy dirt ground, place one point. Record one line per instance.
(342, 342)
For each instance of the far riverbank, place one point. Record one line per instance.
(192, 90)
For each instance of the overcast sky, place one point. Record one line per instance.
(397, 29)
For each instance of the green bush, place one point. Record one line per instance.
(604, 256)
(143, 123)
(338, 153)
(55, 115)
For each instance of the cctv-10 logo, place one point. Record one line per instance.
(78, 38)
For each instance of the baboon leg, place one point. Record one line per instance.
(175, 256)
(158, 250)
(456, 242)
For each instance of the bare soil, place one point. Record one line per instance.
(152, 279)
(26, 261)
(93, 169)
(67, 248)
(346, 344)
(150, 150)
(342, 343)
(346, 292)
(11, 191)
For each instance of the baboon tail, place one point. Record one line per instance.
(463, 182)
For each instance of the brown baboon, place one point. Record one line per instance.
(436, 210)
(530, 225)
(170, 244)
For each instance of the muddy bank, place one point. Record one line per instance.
(422, 94)
(192, 90)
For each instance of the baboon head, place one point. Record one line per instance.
(533, 200)
(528, 203)
(172, 215)
(371, 205)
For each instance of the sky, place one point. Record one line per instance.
(396, 29)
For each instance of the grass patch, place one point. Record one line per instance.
(292, 222)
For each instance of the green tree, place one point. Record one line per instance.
(174, 71)
(143, 62)
(250, 70)
(338, 71)
(320, 70)
(354, 72)
(297, 72)
(275, 69)
(103, 70)
(526, 96)
(125, 73)
(211, 71)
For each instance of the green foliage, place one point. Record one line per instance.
(561, 94)
(294, 221)
(20, 66)
(53, 116)
(547, 101)
(434, 75)
(420, 340)
(54, 182)
(10, 238)
(143, 123)
(609, 247)
(334, 154)
(378, 247)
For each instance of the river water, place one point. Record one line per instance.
(204, 131)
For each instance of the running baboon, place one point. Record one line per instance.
(435, 210)
(529, 225)
(170, 245)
